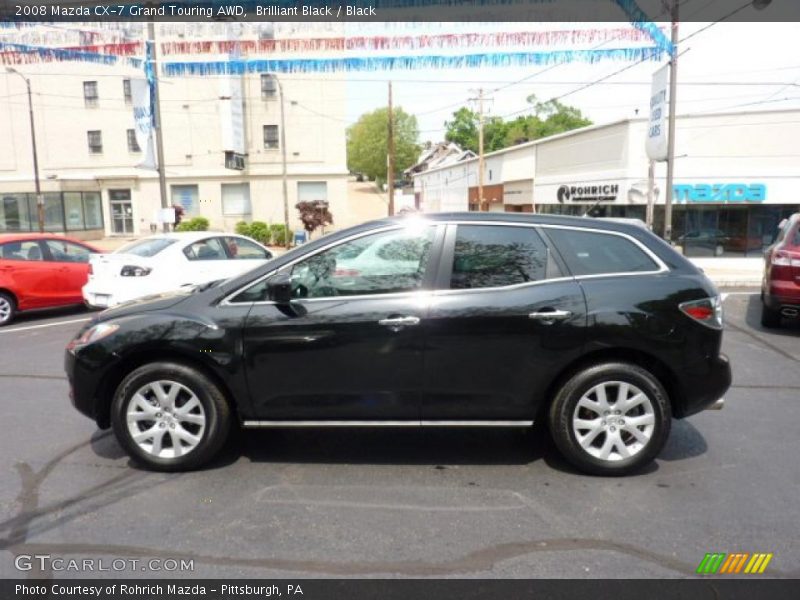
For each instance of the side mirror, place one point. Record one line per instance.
(279, 288)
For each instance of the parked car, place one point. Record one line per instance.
(714, 241)
(40, 271)
(167, 262)
(598, 328)
(780, 288)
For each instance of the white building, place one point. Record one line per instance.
(737, 176)
(88, 154)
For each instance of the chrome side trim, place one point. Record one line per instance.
(416, 423)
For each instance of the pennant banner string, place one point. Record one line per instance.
(392, 63)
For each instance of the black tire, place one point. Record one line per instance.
(8, 304)
(563, 408)
(770, 318)
(214, 407)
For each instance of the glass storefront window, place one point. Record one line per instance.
(14, 213)
(53, 212)
(93, 210)
(73, 209)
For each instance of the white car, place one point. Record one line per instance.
(169, 262)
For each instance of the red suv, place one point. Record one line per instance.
(780, 289)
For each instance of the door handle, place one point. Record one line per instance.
(397, 323)
(548, 317)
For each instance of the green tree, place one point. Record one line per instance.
(367, 146)
(549, 118)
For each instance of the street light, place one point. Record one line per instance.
(39, 198)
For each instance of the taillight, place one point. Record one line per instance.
(707, 311)
(91, 269)
(134, 271)
(781, 258)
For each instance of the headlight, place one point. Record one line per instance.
(134, 271)
(93, 334)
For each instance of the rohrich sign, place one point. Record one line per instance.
(721, 192)
(587, 193)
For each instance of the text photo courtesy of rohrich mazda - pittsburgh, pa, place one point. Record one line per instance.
(491, 299)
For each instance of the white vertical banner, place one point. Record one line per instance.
(656, 143)
(231, 112)
(143, 122)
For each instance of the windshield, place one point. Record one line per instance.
(147, 247)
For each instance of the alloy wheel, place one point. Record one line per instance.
(613, 421)
(5, 309)
(166, 419)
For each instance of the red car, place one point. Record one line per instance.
(780, 289)
(40, 271)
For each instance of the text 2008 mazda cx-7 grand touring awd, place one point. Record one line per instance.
(597, 327)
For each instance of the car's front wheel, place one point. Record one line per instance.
(170, 417)
(7, 308)
(610, 419)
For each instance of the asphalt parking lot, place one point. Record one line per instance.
(404, 503)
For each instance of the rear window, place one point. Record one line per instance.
(592, 253)
(497, 256)
(147, 247)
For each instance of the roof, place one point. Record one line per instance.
(531, 218)
(30, 235)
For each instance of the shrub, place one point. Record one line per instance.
(278, 234)
(243, 228)
(195, 224)
(259, 231)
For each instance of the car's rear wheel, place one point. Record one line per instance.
(8, 308)
(170, 417)
(610, 419)
(769, 317)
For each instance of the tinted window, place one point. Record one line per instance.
(68, 252)
(495, 256)
(146, 247)
(591, 253)
(210, 249)
(29, 250)
(255, 293)
(240, 248)
(381, 263)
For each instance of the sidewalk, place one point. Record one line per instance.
(732, 272)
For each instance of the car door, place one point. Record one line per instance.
(503, 318)
(208, 261)
(349, 346)
(25, 273)
(71, 266)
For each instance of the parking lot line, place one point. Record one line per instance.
(56, 324)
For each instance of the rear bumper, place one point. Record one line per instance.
(707, 389)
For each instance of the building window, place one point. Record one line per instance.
(133, 145)
(269, 86)
(126, 91)
(270, 136)
(186, 196)
(90, 93)
(95, 139)
(236, 199)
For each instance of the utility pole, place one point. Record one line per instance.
(651, 184)
(673, 92)
(287, 239)
(156, 102)
(390, 148)
(39, 197)
(480, 151)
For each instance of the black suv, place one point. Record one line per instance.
(598, 328)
